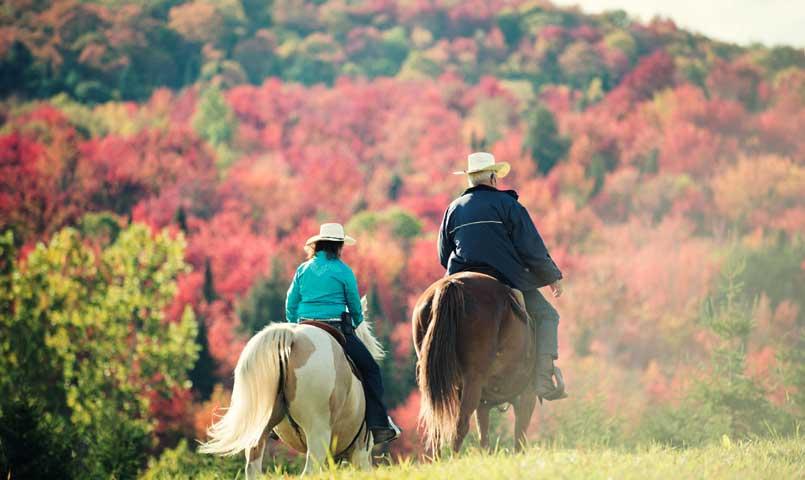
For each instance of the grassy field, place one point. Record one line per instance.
(780, 459)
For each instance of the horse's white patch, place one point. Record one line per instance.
(315, 382)
(316, 373)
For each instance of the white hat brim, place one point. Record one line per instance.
(501, 169)
(347, 239)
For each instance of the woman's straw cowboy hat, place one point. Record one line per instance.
(333, 232)
(485, 162)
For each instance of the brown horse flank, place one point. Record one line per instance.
(475, 351)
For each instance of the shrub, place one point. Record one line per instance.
(181, 463)
(586, 423)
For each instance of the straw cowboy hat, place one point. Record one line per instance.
(485, 162)
(333, 232)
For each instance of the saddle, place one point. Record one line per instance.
(337, 334)
(519, 300)
(339, 337)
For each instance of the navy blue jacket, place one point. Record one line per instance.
(487, 230)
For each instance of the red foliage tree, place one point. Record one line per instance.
(652, 73)
(46, 183)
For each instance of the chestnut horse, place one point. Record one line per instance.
(475, 350)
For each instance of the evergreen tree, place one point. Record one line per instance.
(543, 141)
(208, 289)
(202, 374)
(265, 303)
(730, 393)
(181, 219)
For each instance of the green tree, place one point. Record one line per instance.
(543, 140)
(214, 121)
(265, 302)
(511, 25)
(781, 260)
(731, 392)
(203, 373)
(83, 339)
(397, 221)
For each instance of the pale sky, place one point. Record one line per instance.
(771, 22)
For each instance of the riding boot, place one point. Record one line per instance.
(544, 323)
(387, 433)
(546, 388)
(377, 419)
(379, 422)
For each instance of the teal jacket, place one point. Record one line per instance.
(321, 288)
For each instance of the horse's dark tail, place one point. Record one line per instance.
(438, 370)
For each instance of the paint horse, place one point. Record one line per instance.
(295, 379)
(475, 350)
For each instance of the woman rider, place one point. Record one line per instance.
(322, 289)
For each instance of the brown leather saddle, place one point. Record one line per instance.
(519, 300)
(335, 332)
(339, 337)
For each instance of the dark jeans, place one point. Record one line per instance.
(372, 381)
(545, 320)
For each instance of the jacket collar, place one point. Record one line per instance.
(321, 255)
(487, 188)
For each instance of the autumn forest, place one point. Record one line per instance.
(162, 163)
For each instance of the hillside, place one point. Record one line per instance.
(752, 460)
(104, 50)
(162, 163)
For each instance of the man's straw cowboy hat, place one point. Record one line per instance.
(485, 162)
(333, 232)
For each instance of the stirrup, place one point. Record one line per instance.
(559, 391)
(560, 381)
(386, 434)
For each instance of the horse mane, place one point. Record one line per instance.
(366, 335)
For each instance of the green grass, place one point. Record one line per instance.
(767, 459)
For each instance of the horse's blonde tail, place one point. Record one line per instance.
(258, 378)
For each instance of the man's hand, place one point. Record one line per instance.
(556, 289)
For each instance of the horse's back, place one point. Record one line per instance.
(483, 295)
(311, 362)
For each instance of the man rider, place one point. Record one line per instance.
(487, 230)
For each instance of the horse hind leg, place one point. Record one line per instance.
(254, 458)
(318, 447)
(470, 400)
(523, 409)
(482, 422)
